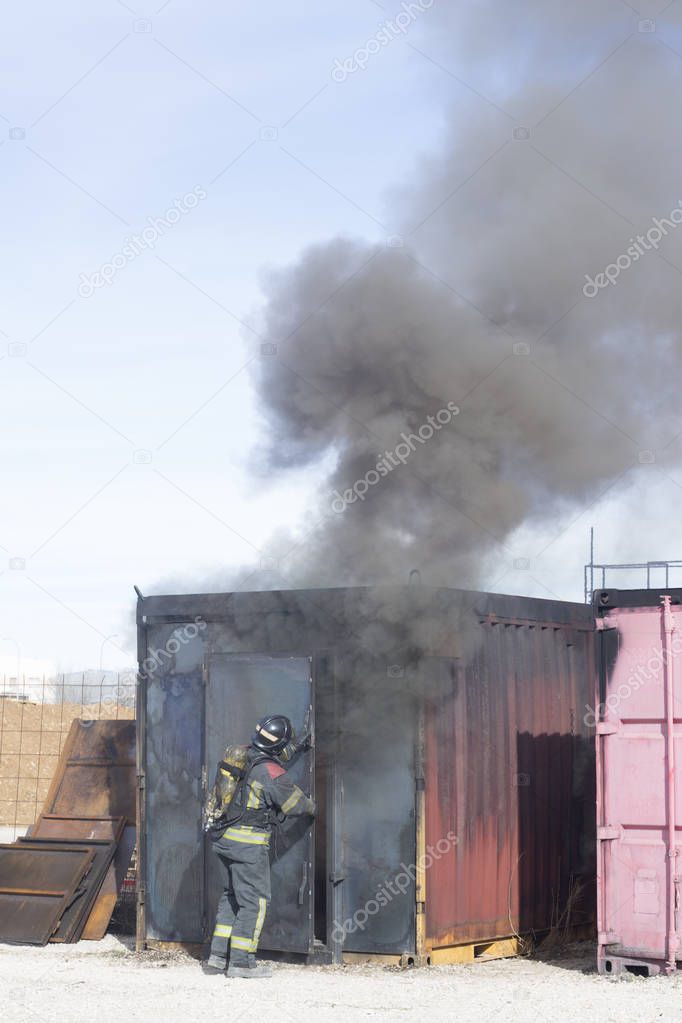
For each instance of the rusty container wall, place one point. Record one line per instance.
(509, 775)
(639, 780)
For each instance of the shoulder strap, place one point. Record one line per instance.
(236, 772)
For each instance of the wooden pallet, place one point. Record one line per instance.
(477, 952)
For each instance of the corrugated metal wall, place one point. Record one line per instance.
(509, 772)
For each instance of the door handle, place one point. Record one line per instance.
(304, 884)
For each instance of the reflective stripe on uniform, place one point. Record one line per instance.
(247, 835)
(262, 908)
(291, 802)
(254, 800)
(222, 931)
(243, 944)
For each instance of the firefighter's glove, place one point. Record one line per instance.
(305, 743)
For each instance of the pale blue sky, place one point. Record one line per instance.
(116, 128)
(106, 117)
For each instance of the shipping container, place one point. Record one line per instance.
(453, 766)
(639, 780)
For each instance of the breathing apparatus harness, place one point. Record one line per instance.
(237, 812)
(274, 742)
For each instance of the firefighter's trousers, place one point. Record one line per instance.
(245, 859)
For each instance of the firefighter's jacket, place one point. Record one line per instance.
(269, 791)
(265, 795)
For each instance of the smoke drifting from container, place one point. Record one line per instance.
(482, 307)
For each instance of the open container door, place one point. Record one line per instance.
(241, 689)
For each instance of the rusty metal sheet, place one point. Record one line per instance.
(75, 916)
(78, 829)
(101, 913)
(509, 768)
(70, 829)
(98, 919)
(95, 776)
(37, 884)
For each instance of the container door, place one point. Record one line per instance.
(638, 798)
(241, 688)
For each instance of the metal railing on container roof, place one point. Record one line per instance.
(654, 575)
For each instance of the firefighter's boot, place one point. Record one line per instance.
(249, 971)
(216, 963)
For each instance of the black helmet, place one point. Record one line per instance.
(272, 734)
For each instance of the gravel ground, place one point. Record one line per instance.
(107, 982)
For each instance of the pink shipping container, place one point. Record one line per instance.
(639, 780)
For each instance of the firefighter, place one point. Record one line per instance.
(262, 797)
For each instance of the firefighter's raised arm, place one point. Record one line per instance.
(281, 793)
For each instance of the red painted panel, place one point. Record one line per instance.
(509, 778)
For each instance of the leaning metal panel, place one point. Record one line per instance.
(36, 887)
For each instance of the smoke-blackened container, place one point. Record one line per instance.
(639, 780)
(452, 766)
